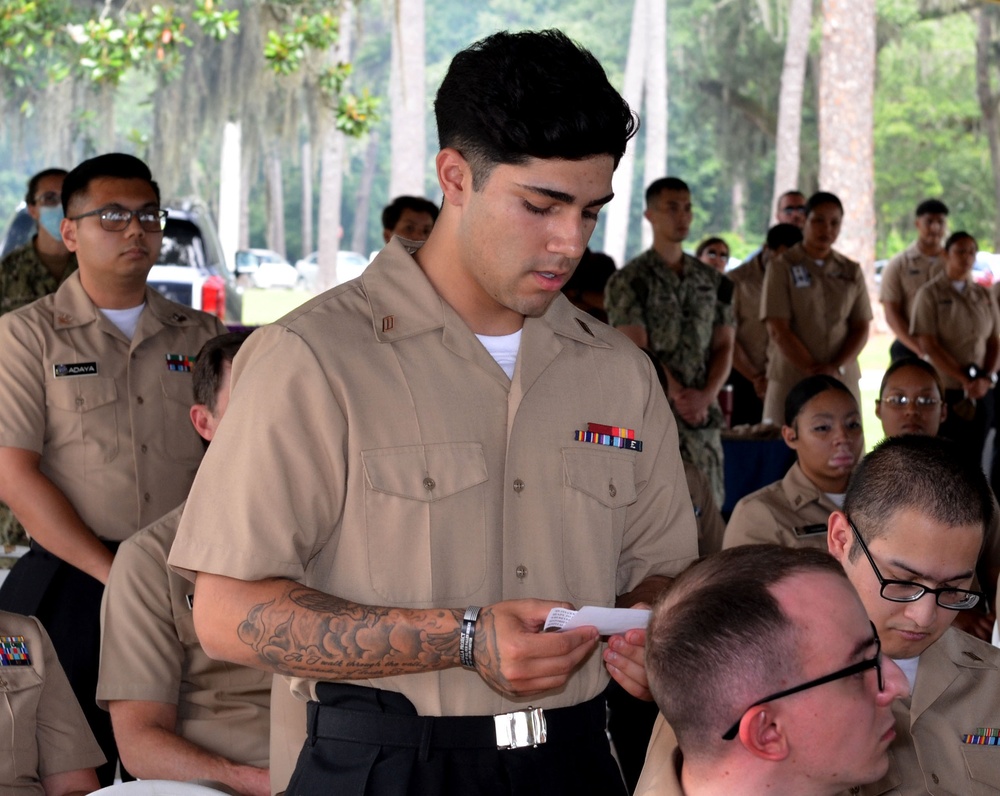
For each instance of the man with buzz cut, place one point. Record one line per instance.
(759, 691)
(908, 538)
(791, 209)
(409, 217)
(456, 451)
(910, 270)
(95, 386)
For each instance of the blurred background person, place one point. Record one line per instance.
(409, 217)
(586, 287)
(714, 252)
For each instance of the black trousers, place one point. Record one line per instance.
(576, 759)
(67, 602)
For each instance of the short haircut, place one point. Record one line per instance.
(823, 198)
(929, 475)
(929, 206)
(910, 362)
(117, 165)
(394, 210)
(207, 375)
(955, 237)
(533, 94)
(591, 274)
(656, 187)
(718, 640)
(807, 389)
(786, 235)
(793, 192)
(709, 242)
(29, 197)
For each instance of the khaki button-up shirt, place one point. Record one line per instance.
(751, 331)
(400, 466)
(905, 274)
(109, 416)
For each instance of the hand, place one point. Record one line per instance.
(253, 781)
(978, 388)
(515, 658)
(624, 659)
(692, 405)
(760, 385)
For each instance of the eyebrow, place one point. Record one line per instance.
(562, 196)
(918, 574)
(861, 646)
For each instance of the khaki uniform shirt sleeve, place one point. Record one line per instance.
(924, 320)
(42, 728)
(775, 298)
(22, 391)
(861, 310)
(891, 290)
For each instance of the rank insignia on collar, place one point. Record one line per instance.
(181, 363)
(983, 736)
(61, 371)
(14, 651)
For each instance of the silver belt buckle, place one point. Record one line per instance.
(520, 728)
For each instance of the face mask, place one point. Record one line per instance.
(49, 219)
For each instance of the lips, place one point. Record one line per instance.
(551, 280)
(842, 460)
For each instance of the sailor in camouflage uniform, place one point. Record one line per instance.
(670, 303)
(29, 272)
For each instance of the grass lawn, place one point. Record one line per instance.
(264, 306)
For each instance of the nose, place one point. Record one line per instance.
(134, 228)
(570, 236)
(922, 612)
(896, 684)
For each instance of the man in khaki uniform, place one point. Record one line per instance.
(749, 376)
(439, 443)
(95, 386)
(741, 625)
(815, 303)
(46, 747)
(908, 538)
(177, 713)
(910, 270)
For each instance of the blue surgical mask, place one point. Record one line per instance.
(50, 218)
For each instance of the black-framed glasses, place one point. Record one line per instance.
(116, 219)
(794, 209)
(902, 401)
(48, 199)
(906, 591)
(855, 668)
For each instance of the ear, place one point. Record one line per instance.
(762, 734)
(645, 215)
(790, 436)
(944, 410)
(878, 408)
(454, 175)
(386, 235)
(839, 536)
(67, 229)
(203, 421)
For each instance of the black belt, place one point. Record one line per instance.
(112, 546)
(329, 722)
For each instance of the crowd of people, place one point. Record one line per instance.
(321, 557)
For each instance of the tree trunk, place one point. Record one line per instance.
(738, 219)
(846, 109)
(307, 199)
(363, 199)
(793, 78)
(230, 179)
(656, 101)
(275, 203)
(616, 226)
(988, 103)
(407, 100)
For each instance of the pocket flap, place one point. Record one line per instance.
(607, 477)
(82, 394)
(425, 472)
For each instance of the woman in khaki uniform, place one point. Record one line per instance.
(823, 427)
(957, 323)
(815, 304)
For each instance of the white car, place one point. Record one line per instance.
(267, 269)
(349, 266)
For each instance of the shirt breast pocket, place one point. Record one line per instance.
(180, 441)
(85, 408)
(21, 689)
(983, 764)
(598, 487)
(425, 519)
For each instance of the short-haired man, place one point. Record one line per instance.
(31, 271)
(94, 393)
(749, 377)
(791, 209)
(177, 713)
(910, 270)
(908, 538)
(409, 217)
(763, 692)
(681, 310)
(452, 432)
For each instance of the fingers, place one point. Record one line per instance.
(624, 659)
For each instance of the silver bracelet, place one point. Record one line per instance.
(468, 637)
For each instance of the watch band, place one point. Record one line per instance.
(467, 637)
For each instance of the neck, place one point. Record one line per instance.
(735, 780)
(671, 252)
(832, 486)
(113, 296)
(932, 249)
(817, 252)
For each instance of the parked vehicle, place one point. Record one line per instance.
(349, 266)
(191, 268)
(266, 269)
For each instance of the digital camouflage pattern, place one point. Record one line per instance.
(23, 279)
(679, 316)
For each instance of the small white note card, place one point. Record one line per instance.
(608, 621)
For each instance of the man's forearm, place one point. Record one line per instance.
(900, 326)
(789, 344)
(646, 592)
(856, 338)
(742, 363)
(720, 360)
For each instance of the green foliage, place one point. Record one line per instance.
(286, 47)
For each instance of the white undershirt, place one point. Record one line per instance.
(503, 349)
(126, 320)
(836, 498)
(909, 667)
(959, 285)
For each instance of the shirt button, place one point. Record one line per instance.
(143, 448)
(935, 778)
(133, 355)
(79, 401)
(146, 497)
(611, 490)
(518, 485)
(521, 571)
(429, 484)
(139, 400)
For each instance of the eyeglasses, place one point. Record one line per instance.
(793, 209)
(902, 401)
(855, 668)
(116, 219)
(906, 591)
(48, 199)
(713, 253)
